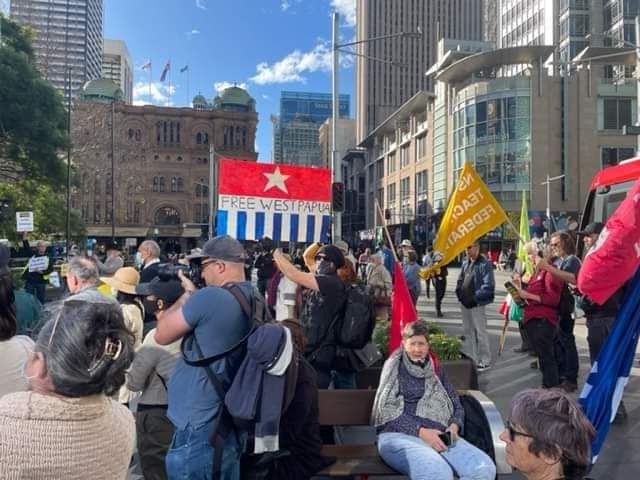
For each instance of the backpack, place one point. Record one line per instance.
(358, 320)
(257, 313)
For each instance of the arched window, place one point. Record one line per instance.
(171, 132)
(159, 132)
(131, 134)
(155, 184)
(226, 135)
(180, 184)
(238, 136)
(161, 184)
(206, 138)
(96, 187)
(231, 136)
(244, 136)
(199, 138)
(138, 135)
(164, 132)
(174, 184)
(167, 216)
(177, 132)
(108, 185)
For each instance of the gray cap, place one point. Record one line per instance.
(222, 247)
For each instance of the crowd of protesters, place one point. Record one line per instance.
(192, 349)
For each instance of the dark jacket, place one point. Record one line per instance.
(300, 431)
(149, 273)
(484, 284)
(36, 278)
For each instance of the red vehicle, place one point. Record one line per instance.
(608, 188)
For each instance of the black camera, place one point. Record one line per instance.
(193, 271)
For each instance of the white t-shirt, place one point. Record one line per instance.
(14, 353)
(286, 302)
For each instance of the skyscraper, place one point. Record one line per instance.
(68, 38)
(118, 66)
(296, 129)
(382, 86)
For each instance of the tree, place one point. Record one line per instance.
(48, 205)
(33, 129)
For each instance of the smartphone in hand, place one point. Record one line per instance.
(446, 438)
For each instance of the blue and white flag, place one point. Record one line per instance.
(609, 375)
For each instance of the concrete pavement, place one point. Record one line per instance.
(511, 373)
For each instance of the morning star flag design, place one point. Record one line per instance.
(609, 375)
(282, 202)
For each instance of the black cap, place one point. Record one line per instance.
(594, 227)
(333, 254)
(169, 290)
(223, 247)
(111, 246)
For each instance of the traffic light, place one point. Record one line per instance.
(337, 197)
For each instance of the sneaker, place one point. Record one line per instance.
(439, 314)
(481, 367)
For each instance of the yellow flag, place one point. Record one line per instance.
(472, 212)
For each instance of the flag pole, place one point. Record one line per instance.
(150, 74)
(188, 90)
(515, 230)
(386, 230)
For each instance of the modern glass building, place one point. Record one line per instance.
(313, 107)
(492, 130)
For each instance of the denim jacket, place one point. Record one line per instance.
(484, 281)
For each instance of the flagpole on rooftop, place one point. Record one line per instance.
(150, 75)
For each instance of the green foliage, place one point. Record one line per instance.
(445, 346)
(49, 207)
(32, 118)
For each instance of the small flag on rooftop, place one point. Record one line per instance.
(184, 69)
(166, 69)
(146, 66)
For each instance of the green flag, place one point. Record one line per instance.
(524, 236)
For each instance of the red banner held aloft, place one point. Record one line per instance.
(402, 309)
(616, 255)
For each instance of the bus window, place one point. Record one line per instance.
(608, 199)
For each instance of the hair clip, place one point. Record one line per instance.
(112, 350)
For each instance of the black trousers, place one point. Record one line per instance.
(598, 329)
(263, 283)
(541, 333)
(566, 350)
(38, 290)
(441, 288)
(155, 432)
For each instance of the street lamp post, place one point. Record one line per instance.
(68, 219)
(548, 185)
(336, 232)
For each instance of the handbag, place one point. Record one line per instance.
(516, 312)
(381, 297)
(356, 360)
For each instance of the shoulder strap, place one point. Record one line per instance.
(164, 382)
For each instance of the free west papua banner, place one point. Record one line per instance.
(283, 202)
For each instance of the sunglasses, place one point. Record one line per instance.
(513, 433)
(553, 245)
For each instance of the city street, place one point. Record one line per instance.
(511, 373)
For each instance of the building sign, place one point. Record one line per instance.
(282, 202)
(24, 221)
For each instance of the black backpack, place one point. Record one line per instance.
(358, 319)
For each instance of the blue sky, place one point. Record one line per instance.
(265, 46)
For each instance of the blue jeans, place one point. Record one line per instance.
(413, 457)
(190, 456)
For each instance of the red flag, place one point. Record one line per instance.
(616, 255)
(402, 309)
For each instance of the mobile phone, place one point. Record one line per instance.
(513, 291)
(446, 438)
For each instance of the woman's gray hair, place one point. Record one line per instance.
(152, 247)
(87, 348)
(413, 329)
(84, 268)
(558, 426)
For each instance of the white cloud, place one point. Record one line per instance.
(266, 97)
(221, 86)
(160, 93)
(292, 67)
(285, 5)
(346, 9)
(201, 4)
(192, 33)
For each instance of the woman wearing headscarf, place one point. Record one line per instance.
(418, 416)
(67, 426)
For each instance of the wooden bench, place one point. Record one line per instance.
(353, 408)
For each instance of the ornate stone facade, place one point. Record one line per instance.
(161, 166)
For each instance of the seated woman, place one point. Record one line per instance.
(414, 405)
(548, 436)
(67, 426)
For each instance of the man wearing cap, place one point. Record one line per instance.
(591, 234)
(149, 374)
(113, 261)
(211, 322)
(323, 301)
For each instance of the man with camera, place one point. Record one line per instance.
(211, 322)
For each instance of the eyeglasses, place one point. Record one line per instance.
(554, 245)
(513, 433)
(320, 258)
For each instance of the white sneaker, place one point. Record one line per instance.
(481, 367)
